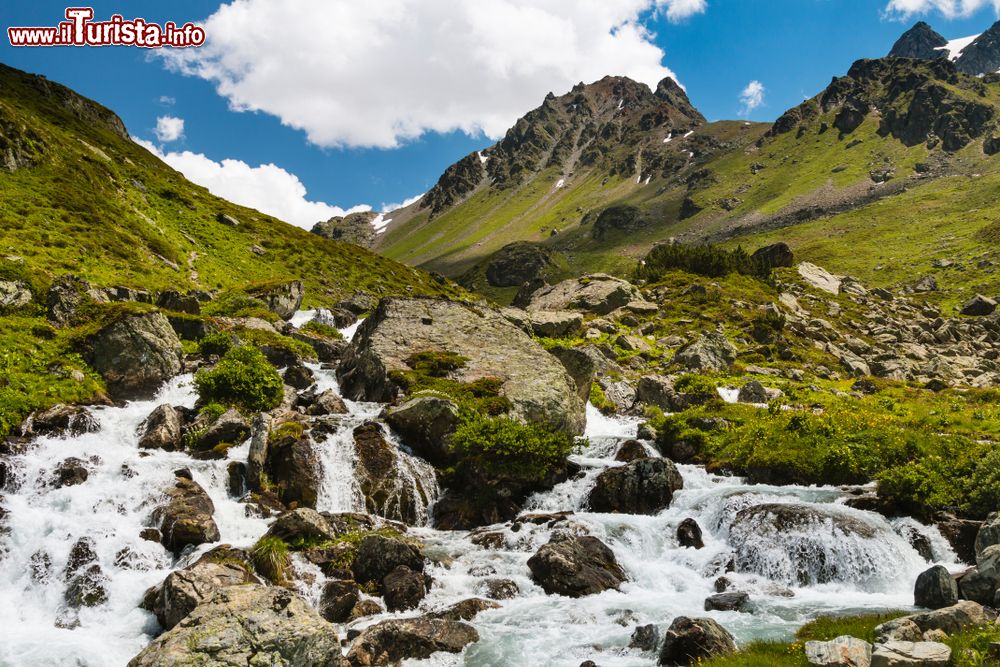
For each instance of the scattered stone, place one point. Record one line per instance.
(465, 610)
(230, 428)
(86, 583)
(555, 323)
(645, 638)
(299, 377)
(689, 534)
(186, 519)
(631, 450)
(389, 642)
(598, 293)
(732, 601)
(282, 299)
(935, 588)
(922, 654)
(377, 556)
(13, 295)
(819, 278)
(61, 420)
(70, 472)
(711, 352)
(752, 392)
(575, 566)
(162, 429)
(403, 589)
(979, 306)
(844, 651)
(338, 599)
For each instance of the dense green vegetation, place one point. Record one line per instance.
(703, 260)
(506, 447)
(243, 378)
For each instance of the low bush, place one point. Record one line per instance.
(270, 557)
(243, 378)
(217, 343)
(322, 330)
(704, 260)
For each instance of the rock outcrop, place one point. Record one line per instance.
(186, 519)
(533, 381)
(282, 299)
(575, 566)
(597, 293)
(389, 642)
(135, 354)
(645, 486)
(692, 640)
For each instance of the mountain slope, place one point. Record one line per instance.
(886, 127)
(77, 195)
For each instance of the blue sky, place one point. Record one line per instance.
(362, 102)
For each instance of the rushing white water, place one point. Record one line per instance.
(125, 484)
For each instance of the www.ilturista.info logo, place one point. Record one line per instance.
(79, 29)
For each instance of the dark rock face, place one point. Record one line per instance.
(293, 466)
(338, 600)
(282, 299)
(983, 55)
(532, 380)
(776, 255)
(689, 534)
(298, 377)
(691, 640)
(645, 638)
(353, 228)
(575, 566)
(457, 181)
(86, 583)
(389, 642)
(920, 41)
(66, 295)
(135, 354)
(403, 589)
(230, 428)
(61, 420)
(325, 403)
(185, 589)
(621, 218)
(70, 472)
(186, 519)
(162, 429)
(465, 610)
(631, 450)
(247, 624)
(179, 303)
(935, 589)
(425, 423)
(641, 487)
(517, 263)
(580, 367)
(378, 556)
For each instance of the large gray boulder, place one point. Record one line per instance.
(964, 614)
(712, 351)
(135, 354)
(645, 486)
(162, 429)
(935, 588)
(185, 589)
(979, 306)
(291, 464)
(246, 625)
(13, 295)
(390, 642)
(575, 566)
(597, 293)
(517, 263)
(533, 381)
(282, 299)
(692, 640)
(819, 278)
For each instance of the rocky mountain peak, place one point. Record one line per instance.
(920, 41)
(982, 56)
(353, 228)
(605, 123)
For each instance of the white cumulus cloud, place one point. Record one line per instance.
(352, 73)
(169, 128)
(751, 97)
(950, 9)
(403, 204)
(267, 187)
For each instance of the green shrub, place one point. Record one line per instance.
(270, 558)
(322, 330)
(435, 364)
(697, 387)
(242, 378)
(237, 303)
(705, 260)
(217, 343)
(502, 446)
(289, 429)
(600, 401)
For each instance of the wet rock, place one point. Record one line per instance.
(40, 567)
(922, 654)
(185, 589)
(645, 638)
(535, 383)
(575, 566)
(501, 589)
(70, 472)
(86, 583)
(424, 423)
(712, 351)
(61, 420)
(230, 428)
(338, 600)
(244, 625)
(162, 429)
(377, 556)
(328, 350)
(979, 306)
(186, 519)
(394, 485)
(299, 377)
(389, 642)
(935, 589)
(325, 403)
(403, 589)
(366, 607)
(733, 601)
(962, 535)
(282, 299)
(293, 467)
(135, 354)
(844, 651)
(641, 487)
(597, 293)
(465, 610)
(631, 450)
(303, 524)
(691, 640)
(689, 534)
